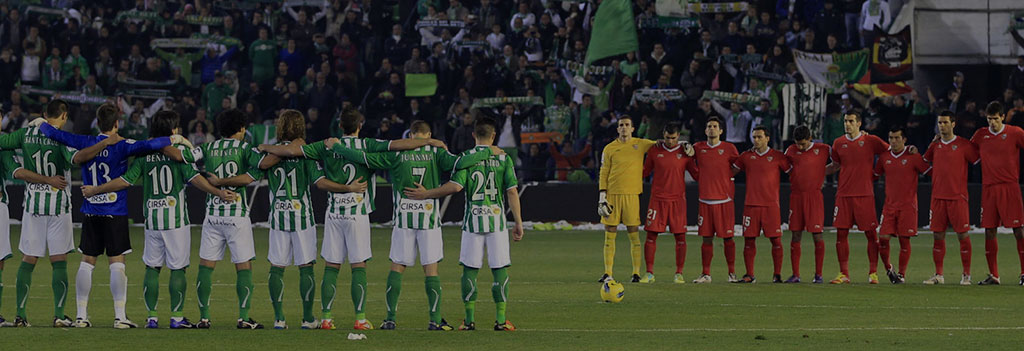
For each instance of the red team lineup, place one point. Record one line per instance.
(860, 159)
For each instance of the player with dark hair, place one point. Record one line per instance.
(899, 214)
(761, 206)
(806, 204)
(999, 147)
(950, 156)
(667, 162)
(854, 154)
(715, 190)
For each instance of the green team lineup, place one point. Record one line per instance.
(223, 168)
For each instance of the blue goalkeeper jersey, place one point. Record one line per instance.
(109, 164)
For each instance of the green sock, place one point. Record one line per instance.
(60, 287)
(307, 287)
(393, 290)
(151, 289)
(176, 287)
(24, 282)
(328, 287)
(276, 284)
(500, 291)
(433, 287)
(243, 286)
(359, 291)
(469, 292)
(203, 289)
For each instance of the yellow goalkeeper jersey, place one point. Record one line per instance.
(622, 166)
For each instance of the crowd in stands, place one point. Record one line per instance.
(321, 56)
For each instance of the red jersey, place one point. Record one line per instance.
(856, 158)
(669, 167)
(1000, 154)
(808, 171)
(950, 160)
(762, 176)
(901, 172)
(715, 164)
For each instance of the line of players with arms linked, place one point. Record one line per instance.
(860, 158)
(344, 167)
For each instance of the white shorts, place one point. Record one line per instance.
(346, 235)
(298, 247)
(173, 247)
(232, 232)
(405, 242)
(5, 233)
(41, 232)
(472, 254)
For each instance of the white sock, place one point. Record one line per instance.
(83, 285)
(118, 289)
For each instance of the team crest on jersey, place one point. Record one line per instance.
(954, 147)
(661, 155)
(721, 152)
(752, 157)
(1002, 136)
(770, 158)
(845, 146)
(816, 151)
(636, 147)
(904, 161)
(678, 156)
(860, 142)
(888, 162)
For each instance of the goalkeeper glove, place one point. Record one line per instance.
(37, 122)
(603, 208)
(178, 139)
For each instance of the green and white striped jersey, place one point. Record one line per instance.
(48, 158)
(163, 189)
(227, 158)
(9, 162)
(485, 184)
(342, 171)
(290, 207)
(422, 165)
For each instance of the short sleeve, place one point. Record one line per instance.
(193, 155)
(315, 151)
(12, 141)
(460, 177)
(510, 174)
(134, 171)
(315, 171)
(252, 163)
(10, 164)
(68, 153)
(188, 171)
(376, 145)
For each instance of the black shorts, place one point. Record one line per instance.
(105, 233)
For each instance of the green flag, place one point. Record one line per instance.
(614, 31)
(420, 84)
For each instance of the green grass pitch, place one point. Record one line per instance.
(554, 302)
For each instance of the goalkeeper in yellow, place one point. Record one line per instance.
(620, 184)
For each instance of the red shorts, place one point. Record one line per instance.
(1001, 206)
(855, 209)
(717, 219)
(667, 215)
(762, 218)
(806, 212)
(899, 221)
(949, 213)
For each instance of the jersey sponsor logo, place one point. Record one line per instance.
(42, 187)
(220, 222)
(341, 217)
(410, 205)
(288, 205)
(218, 201)
(661, 155)
(348, 199)
(102, 198)
(488, 210)
(166, 202)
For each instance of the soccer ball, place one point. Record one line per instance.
(612, 291)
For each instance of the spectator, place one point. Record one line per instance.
(737, 124)
(199, 135)
(566, 159)
(214, 93)
(213, 63)
(14, 120)
(535, 164)
(874, 15)
(262, 54)
(463, 139)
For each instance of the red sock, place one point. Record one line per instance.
(777, 254)
(706, 252)
(794, 256)
(965, 254)
(904, 254)
(650, 246)
(730, 255)
(938, 253)
(1020, 253)
(819, 256)
(843, 250)
(883, 252)
(872, 250)
(749, 253)
(680, 251)
(991, 253)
